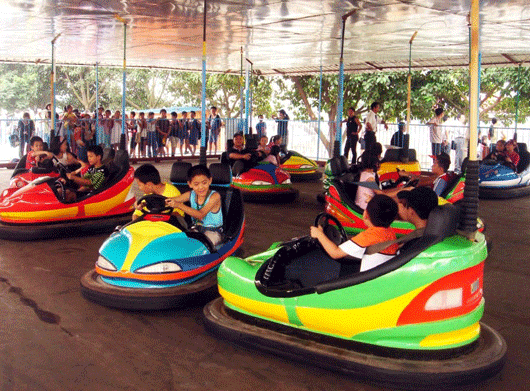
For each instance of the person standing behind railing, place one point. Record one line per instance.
(132, 125)
(353, 127)
(108, 125)
(214, 125)
(174, 132)
(116, 131)
(26, 128)
(184, 133)
(152, 146)
(261, 127)
(436, 131)
(460, 144)
(142, 131)
(372, 120)
(283, 121)
(69, 124)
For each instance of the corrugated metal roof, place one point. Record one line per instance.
(278, 36)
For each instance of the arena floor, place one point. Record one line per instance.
(51, 338)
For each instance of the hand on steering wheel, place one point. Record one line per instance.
(331, 231)
(155, 204)
(60, 185)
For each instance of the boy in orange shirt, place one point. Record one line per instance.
(380, 212)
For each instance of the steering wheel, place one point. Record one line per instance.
(323, 219)
(155, 204)
(411, 182)
(61, 168)
(58, 184)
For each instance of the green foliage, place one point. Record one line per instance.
(28, 86)
(24, 86)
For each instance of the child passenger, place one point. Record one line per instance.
(205, 210)
(149, 182)
(92, 177)
(276, 149)
(264, 151)
(37, 152)
(378, 215)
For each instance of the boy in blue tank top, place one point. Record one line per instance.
(205, 210)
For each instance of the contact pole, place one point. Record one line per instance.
(99, 137)
(338, 135)
(247, 98)
(517, 101)
(468, 221)
(409, 81)
(241, 85)
(251, 94)
(124, 92)
(52, 108)
(202, 157)
(319, 107)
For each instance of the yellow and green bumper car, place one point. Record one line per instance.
(412, 322)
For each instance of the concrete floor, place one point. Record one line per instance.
(53, 339)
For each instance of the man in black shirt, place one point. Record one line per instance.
(353, 127)
(240, 158)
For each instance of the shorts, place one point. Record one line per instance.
(213, 137)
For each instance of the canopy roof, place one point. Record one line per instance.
(278, 36)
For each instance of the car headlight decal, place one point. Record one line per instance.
(446, 299)
(104, 263)
(162, 267)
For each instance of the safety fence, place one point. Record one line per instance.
(309, 138)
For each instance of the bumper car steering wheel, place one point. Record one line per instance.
(336, 234)
(155, 204)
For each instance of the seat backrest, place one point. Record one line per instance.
(221, 174)
(121, 159)
(179, 172)
(392, 155)
(117, 168)
(251, 141)
(20, 167)
(344, 166)
(442, 222)
(335, 166)
(108, 156)
(412, 155)
(524, 157)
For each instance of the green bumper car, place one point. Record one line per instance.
(412, 322)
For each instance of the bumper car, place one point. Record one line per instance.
(412, 322)
(342, 186)
(390, 165)
(50, 167)
(155, 263)
(265, 182)
(501, 180)
(38, 211)
(300, 168)
(392, 162)
(259, 180)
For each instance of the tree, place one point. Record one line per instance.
(149, 88)
(222, 91)
(80, 87)
(24, 87)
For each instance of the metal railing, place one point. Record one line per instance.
(303, 136)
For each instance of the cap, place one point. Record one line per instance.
(443, 160)
(421, 199)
